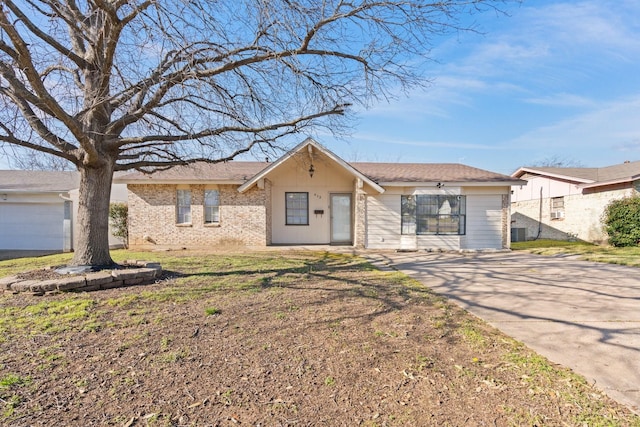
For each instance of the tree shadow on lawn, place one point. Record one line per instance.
(323, 282)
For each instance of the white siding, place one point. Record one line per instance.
(484, 218)
(444, 242)
(549, 187)
(383, 222)
(484, 222)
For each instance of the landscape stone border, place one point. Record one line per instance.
(134, 273)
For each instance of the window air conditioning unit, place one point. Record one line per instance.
(557, 215)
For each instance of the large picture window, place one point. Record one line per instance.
(297, 208)
(183, 207)
(433, 214)
(211, 206)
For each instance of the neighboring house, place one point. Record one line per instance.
(312, 196)
(567, 203)
(38, 209)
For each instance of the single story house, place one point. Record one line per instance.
(568, 203)
(38, 209)
(312, 196)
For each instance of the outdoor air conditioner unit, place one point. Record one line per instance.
(557, 215)
(519, 234)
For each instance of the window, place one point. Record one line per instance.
(557, 208)
(183, 207)
(433, 214)
(408, 214)
(297, 208)
(211, 206)
(557, 203)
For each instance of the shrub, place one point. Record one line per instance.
(621, 220)
(119, 220)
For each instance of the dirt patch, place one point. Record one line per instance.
(329, 342)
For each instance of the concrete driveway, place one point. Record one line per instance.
(583, 315)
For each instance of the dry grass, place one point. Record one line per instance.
(274, 338)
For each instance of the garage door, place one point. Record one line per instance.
(34, 226)
(484, 222)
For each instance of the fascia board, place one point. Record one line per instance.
(309, 141)
(522, 171)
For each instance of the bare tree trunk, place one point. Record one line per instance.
(92, 247)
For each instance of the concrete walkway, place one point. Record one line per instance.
(583, 315)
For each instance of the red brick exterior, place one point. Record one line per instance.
(152, 218)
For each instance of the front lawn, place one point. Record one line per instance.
(273, 338)
(586, 251)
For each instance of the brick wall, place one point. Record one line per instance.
(152, 218)
(582, 216)
(506, 207)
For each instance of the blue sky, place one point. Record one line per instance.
(555, 79)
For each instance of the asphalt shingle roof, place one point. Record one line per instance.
(224, 171)
(623, 171)
(378, 172)
(427, 172)
(38, 181)
(590, 174)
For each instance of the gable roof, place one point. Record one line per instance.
(588, 177)
(376, 175)
(309, 144)
(26, 181)
(584, 175)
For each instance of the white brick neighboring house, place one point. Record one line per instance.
(312, 196)
(38, 210)
(566, 203)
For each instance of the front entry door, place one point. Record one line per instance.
(341, 219)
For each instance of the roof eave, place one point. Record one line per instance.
(610, 182)
(309, 141)
(181, 181)
(454, 183)
(34, 191)
(524, 170)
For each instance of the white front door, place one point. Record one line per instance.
(341, 219)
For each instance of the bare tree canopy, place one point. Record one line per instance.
(557, 161)
(141, 84)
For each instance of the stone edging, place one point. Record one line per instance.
(146, 273)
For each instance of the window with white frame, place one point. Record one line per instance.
(297, 208)
(211, 206)
(433, 214)
(183, 206)
(557, 207)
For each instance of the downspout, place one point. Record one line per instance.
(539, 217)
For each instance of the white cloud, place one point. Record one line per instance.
(365, 137)
(586, 24)
(546, 52)
(612, 126)
(572, 64)
(562, 100)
